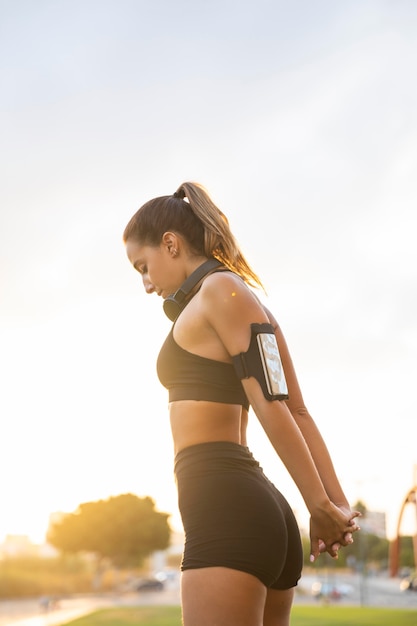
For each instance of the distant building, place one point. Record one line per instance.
(15, 546)
(374, 522)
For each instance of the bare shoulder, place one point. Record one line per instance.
(226, 288)
(230, 307)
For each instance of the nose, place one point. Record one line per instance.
(149, 287)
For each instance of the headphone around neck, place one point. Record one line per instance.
(175, 303)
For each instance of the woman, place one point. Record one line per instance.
(242, 556)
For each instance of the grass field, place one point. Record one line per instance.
(301, 616)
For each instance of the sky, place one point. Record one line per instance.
(300, 118)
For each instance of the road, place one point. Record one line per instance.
(374, 591)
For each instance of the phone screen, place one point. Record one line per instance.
(271, 361)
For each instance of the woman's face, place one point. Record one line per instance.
(157, 266)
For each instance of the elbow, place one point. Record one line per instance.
(300, 414)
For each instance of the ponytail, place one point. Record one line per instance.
(219, 240)
(191, 213)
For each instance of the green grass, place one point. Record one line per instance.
(346, 616)
(132, 616)
(301, 616)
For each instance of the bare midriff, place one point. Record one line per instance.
(194, 422)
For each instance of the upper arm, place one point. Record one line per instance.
(295, 400)
(230, 308)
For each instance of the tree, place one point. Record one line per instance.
(361, 507)
(406, 557)
(124, 529)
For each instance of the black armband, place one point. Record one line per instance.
(263, 362)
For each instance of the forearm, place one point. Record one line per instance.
(292, 449)
(309, 430)
(296, 457)
(321, 456)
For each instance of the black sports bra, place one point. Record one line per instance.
(188, 376)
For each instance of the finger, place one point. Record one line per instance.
(353, 515)
(333, 550)
(347, 539)
(353, 527)
(322, 546)
(314, 550)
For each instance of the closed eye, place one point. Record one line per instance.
(142, 269)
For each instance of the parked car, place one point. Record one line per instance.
(409, 583)
(150, 584)
(330, 590)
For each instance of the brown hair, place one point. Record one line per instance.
(191, 213)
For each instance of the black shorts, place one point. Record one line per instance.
(234, 517)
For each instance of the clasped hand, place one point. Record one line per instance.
(332, 529)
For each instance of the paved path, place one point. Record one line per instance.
(31, 612)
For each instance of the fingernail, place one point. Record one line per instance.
(312, 558)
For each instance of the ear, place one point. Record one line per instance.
(171, 242)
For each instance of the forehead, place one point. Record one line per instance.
(133, 249)
(137, 252)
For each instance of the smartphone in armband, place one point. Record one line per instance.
(272, 365)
